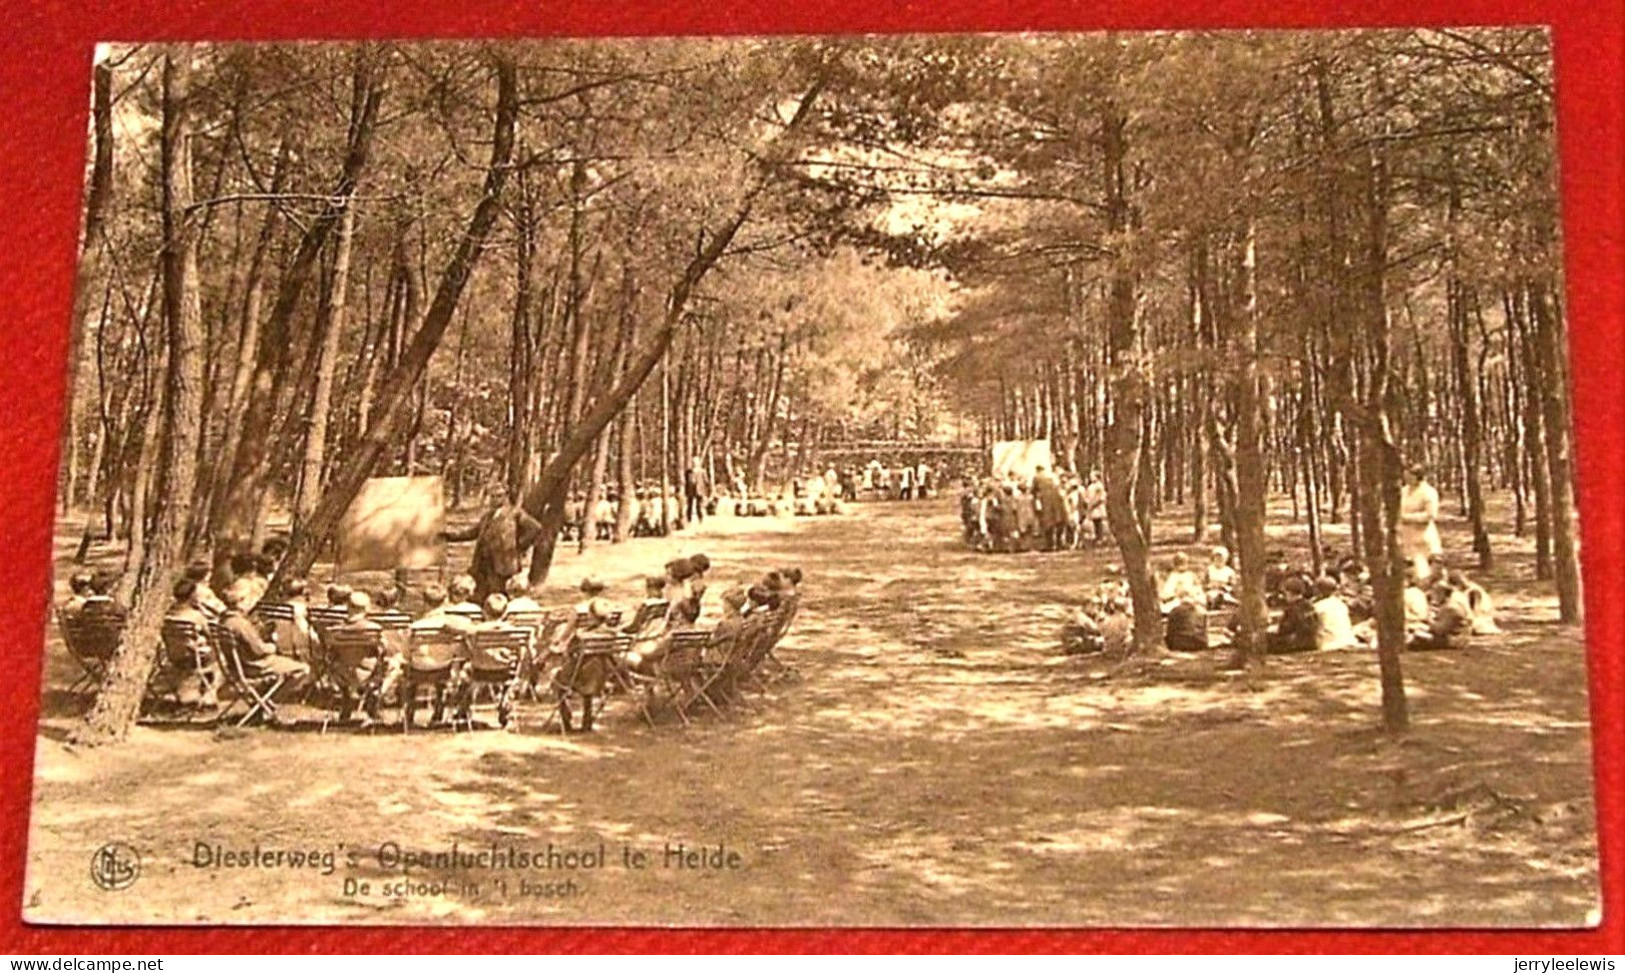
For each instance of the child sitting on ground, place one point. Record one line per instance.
(1180, 584)
(1480, 606)
(1221, 579)
(1335, 626)
(1449, 623)
(1298, 627)
(1081, 633)
(1418, 612)
(1186, 629)
(1116, 628)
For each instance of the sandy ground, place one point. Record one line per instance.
(934, 761)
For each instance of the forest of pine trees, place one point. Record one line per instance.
(1231, 271)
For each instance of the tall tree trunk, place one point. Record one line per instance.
(119, 700)
(625, 480)
(1552, 389)
(321, 403)
(393, 408)
(248, 347)
(1380, 461)
(1252, 616)
(1536, 454)
(545, 498)
(98, 194)
(600, 460)
(1375, 477)
(521, 367)
(1128, 393)
(238, 517)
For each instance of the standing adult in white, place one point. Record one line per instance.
(1419, 540)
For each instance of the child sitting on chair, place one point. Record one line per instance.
(593, 611)
(519, 598)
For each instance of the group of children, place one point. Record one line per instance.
(1048, 512)
(651, 513)
(1329, 611)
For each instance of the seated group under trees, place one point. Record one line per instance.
(1309, 612)
(358, 650)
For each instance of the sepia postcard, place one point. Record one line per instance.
(1029, 480)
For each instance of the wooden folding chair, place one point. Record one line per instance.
(188, 648)
(257, 692)
(323, 619)
(744, 663)
(91, 638)
(612, 647)
(536, 622)
(547, 650)
(774, 624)
(433, 659)
(675, 673)
(787, 615)
(586, 669)
(392, 619)
(710, 685)
(646, 616)
(353, 657)
(494, 657)
(272, 612)
(533, 620)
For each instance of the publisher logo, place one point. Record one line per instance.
(115, 866)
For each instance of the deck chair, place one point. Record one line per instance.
(91, 640)
(352, 657)
(433, 659)
(494, 658)
(188, 649)
(255, 692)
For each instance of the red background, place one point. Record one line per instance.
(45, 53)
